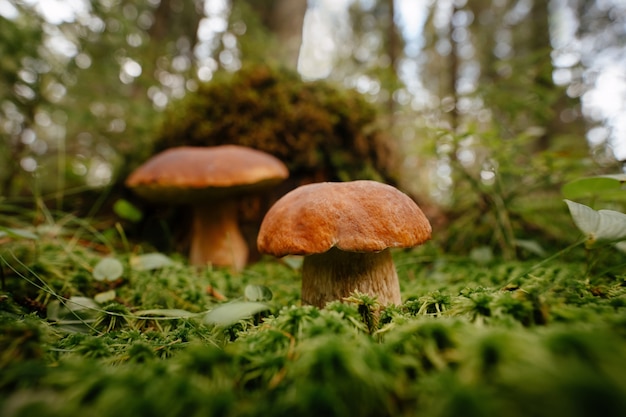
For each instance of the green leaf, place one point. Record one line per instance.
(17, 233)
(531, 246)
(105, 297)
(150, 261)
(127, 211)
(72, 311)
(231, 313)
(257, 293)
(108, 269)
(605, 187)
(172, 313)
(598, 226)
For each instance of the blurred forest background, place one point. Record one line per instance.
(480, 109)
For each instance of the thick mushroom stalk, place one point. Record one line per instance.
(344, 230)
(335, 274)
(215, 236)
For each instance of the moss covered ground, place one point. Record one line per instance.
(472, 337)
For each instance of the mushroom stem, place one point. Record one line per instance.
(335, 274)
(215, 236)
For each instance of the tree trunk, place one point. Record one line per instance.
(453, 77)
(283, 21)
(394, 51)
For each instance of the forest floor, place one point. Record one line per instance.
(91, 329)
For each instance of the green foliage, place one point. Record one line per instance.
(601, 188)
(126, 210)
(231, 313)
(318, 130)
(24, 76)
(257, 293)
(508, 139)
(505, 197)
(70, 106)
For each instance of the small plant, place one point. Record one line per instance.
(368, 308)
(598, 227)
(602, 189)
(498, 193)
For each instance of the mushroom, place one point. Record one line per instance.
(344, 230)
(209, 179)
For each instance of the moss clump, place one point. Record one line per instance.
(468, 340)
(321, 132)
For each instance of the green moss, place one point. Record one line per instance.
(320, 131)
(469, 339)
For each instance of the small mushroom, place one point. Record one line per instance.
(209, 179)
(344, 230)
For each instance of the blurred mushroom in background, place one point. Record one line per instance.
(210, 180)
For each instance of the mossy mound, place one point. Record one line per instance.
(321, 132)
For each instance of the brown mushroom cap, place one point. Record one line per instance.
(356, 216)
(190, 174)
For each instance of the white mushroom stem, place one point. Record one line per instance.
(215, 236)
(335, 274)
